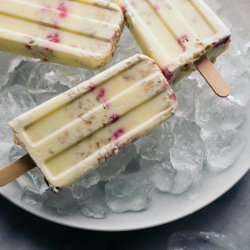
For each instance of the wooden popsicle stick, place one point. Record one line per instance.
(213, 77)
(16, 169)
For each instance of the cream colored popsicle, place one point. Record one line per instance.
(81, 33)
(71, 134)
(177, 34)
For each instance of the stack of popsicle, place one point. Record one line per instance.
(70, 135)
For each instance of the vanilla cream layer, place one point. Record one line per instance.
(175, 33)
(78, 33)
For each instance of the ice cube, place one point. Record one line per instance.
(186, 108)
(188, 152)
(32, 75)
(198, 79)
(228, 66)
(117, 164)
(187, 91)
(182, 181)
(63, 202)
(89, 180)
(214, 5)
(31, 197)
(166, 179)
(230, 13)
(8, 63)
(16, 152)
(223, 149)
(13, 102)
(151, 147)
(21, 74)
(214, 113)
(38, 180)
(42, 79)
(4, 152)
(199, 241)
(241, 90)
(94, 206)
(6, 134)
(66, 76)
(228, 23)
(79, 192)
(128, 194)
(161, 175)
(190, 87)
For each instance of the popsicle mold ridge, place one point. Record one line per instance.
(176, 33)
(73, 133)
(81, 33)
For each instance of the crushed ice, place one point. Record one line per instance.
(204, 134)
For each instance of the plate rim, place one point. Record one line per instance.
(135, 228)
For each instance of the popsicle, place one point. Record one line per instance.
(68, 136)
(80, 33)
(180, 35)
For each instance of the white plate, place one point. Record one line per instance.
(165, 208)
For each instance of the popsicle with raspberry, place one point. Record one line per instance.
(77, 33)
(68, 136)
(180, 35)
